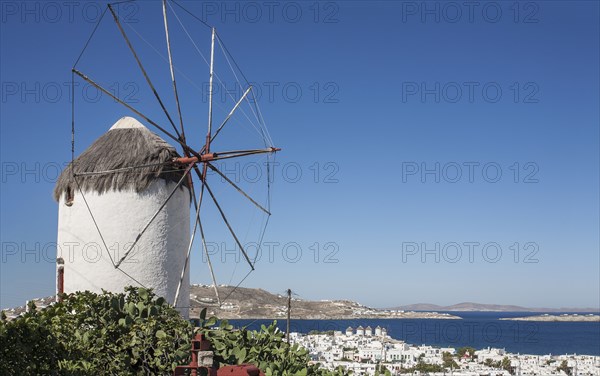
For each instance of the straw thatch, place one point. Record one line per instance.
(121, 147)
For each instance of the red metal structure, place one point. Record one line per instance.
(202, 363)
(199, 365)
(60, 279)
(241, 370)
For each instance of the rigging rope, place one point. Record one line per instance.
(187, 78)
(191, 14)
(95, 223)
(155, 215)
(91, 36)
(236, 286)
(216, 74)
(260, 128)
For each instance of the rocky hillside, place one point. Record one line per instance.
(246, 303)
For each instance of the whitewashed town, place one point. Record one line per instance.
(368, 351)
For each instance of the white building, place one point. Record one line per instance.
(102, 212)
(363, 355)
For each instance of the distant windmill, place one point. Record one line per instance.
(131, 188)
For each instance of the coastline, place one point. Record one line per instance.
(321, 316)
(556, 318)
(362, 353)
(478, 330)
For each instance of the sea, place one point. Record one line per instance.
(476, 329)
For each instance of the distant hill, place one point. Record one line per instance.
(469, 306)
(249, 303)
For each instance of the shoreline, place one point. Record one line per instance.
(357, 352)
(398, 316)
(555, 318)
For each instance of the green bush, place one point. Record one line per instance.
(266, 349)
(134, 333)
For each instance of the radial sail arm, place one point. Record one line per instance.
(197, 223)
(119, 100)
(139, 62)
(168, 38)
(229, 226)
(229, 115)
(238, 188)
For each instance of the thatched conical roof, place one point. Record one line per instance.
(127, 144)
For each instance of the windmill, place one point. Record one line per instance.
(131, 185)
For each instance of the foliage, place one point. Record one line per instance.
(564, 366)
(383, 370)
(449, 361)
(131, 333)
(266, 349)
(317, 332)
(506, 365)
(27, 347)
(494, 364)
(424, 368)
(135, 333)
(463, 350)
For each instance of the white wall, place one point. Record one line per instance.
(158, 257)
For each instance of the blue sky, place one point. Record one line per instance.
(410, 130)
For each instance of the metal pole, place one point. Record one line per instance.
(289, 310)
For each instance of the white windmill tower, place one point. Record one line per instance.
(124, 203)
(128, 208)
